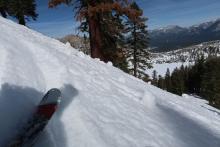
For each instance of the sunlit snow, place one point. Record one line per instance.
(101, 105)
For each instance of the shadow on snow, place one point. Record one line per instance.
(189, 132)
(17, 104)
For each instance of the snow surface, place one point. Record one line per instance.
(101, 105)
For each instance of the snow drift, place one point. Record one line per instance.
(101, 105)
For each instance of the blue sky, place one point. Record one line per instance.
(59, 22)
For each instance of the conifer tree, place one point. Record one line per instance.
(3, 8)
(154, 78)
(177, 82)
(186, 78)
(113, 42)
(195, 75)
(138, 41)
(92, 13)
(183, 76)
(161, 82)
(202, 79)
(210, 85)
(23, 10)
(167, 80)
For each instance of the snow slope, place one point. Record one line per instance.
(101, 105)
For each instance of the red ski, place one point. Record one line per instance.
(40, 119)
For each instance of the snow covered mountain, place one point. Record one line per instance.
(182, 56)
(101, 105)
(173, 37)
(188, 54)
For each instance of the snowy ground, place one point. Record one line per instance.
(101, 105)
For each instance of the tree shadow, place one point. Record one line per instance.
(17, 104)
(188, 131)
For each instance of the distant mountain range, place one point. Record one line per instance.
(174, 37)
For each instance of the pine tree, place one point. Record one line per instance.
(167, 80)
(3, 8)
(161, 82)
(154, 78)
(183, 75)
(23, 10)
(195, 76)
(216, 97)
(186, 79)
(199, 73)
(177, 82)
(210, 85)
(113, 42)
(138, 41)
(93, 13)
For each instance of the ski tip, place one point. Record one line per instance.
(57, 94)
(53, 96)
(55, 91)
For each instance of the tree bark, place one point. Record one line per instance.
(21, 20)
(95, 39)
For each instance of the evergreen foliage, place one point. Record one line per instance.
(22, 10)
(154, 78)
(167, 80)
(113, 41)
(3, 8)
(177, 82)
(160, 82)
(137, 43)
(210, 84)
(202, 79)
(195, 75)
(102, 20)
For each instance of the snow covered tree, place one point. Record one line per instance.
(92, 13)
(22, 10)
(137, 42)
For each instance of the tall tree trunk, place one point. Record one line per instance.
(135, 52)
(21, 20)
(95, 39)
